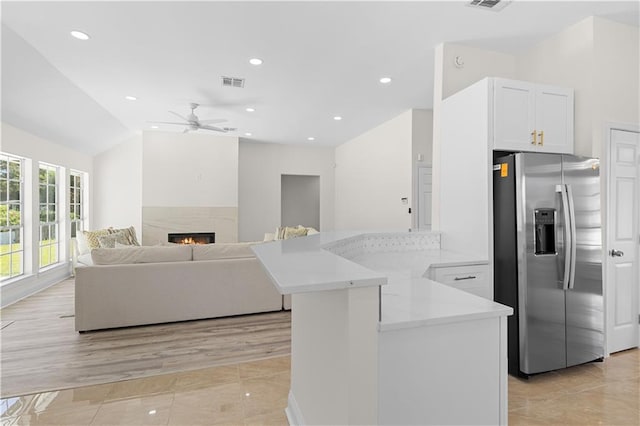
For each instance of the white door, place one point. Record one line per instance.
(424, 197)
(623, 237)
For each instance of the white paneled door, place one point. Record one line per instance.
(623, 239)
(424, 197)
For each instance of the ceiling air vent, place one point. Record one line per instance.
(495, 5)
(232, 82)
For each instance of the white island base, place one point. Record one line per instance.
(344, 370)
(375, 342)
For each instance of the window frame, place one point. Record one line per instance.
(49, 224)
(13, 229)
(77, 189)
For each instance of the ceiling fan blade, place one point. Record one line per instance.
(213, 121)
(217, 129)
(166, 122)
(178, 115)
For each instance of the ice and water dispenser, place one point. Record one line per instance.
(545, 231)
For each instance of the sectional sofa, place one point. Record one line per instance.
(136, 285)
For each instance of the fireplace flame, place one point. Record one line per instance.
(188, 240)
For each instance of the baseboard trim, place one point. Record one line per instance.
(294, 416)
(17, 290)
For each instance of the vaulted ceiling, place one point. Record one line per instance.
(320, 60)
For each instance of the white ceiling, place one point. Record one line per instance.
(321, 59)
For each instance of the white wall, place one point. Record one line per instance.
(449, 79)
(373, 173)
(189, 169)
(23, 144)
(117, 189)
(616, 77)
(598, 58)
(261, 166)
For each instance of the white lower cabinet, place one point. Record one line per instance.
(472, 278)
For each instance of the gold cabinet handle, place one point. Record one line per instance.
(541, 134)
(534, 135)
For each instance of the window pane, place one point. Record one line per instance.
(51, 217)
(16, 264)
(43, 213)
(54, 253)
(52, 177)
(72, 196)
(72, 179)
(5, 241)
(42, 175)
(43, 194)
(4, 215)
(15, 240)
(78, 195)
(14, 170)
(73, 229)
(78, 182)
(14, 214)
(5, 266)
(53, 233)
(14, 191)
(52, 194)
(3, 168)
(44, 234)
(3, 190)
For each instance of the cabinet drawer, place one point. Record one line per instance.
(470, 278)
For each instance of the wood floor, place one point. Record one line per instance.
(42, 352)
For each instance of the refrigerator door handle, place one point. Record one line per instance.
(567, 235)
(572, 214)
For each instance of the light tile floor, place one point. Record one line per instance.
(250, 393)
(255, 393)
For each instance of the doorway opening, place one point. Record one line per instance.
(300, 201)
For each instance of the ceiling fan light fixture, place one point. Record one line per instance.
(80, 35)
(255, 61)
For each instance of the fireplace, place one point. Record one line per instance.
(192, 238)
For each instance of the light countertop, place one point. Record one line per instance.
(408, 298)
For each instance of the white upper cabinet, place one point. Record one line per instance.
(532, 117)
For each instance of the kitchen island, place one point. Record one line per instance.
(374, 341)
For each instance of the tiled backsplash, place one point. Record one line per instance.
(384, 242)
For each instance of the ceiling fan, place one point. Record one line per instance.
(192, 122)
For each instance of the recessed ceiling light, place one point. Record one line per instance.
(250, 109)
(155, 127)
(385, 80)
(255, 61)
(248, 134)
(337, 118)
(80, 35)
(131, 98)
(311, 138)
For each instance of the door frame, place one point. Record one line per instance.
(606, 210)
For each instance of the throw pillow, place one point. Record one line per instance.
(130, 234)
(311, 231)
(290, 232)
(91, 237)
(110, 241)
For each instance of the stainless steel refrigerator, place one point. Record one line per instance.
(548, 259)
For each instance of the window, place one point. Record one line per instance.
(76, 202)
(11, 222)
(49, 224)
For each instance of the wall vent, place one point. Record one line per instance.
(230, 129)
(232, 82)
(494, 5)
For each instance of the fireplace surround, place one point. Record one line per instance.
(192, 237)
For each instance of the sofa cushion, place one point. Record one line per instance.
(223, 251)
(141, 254)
